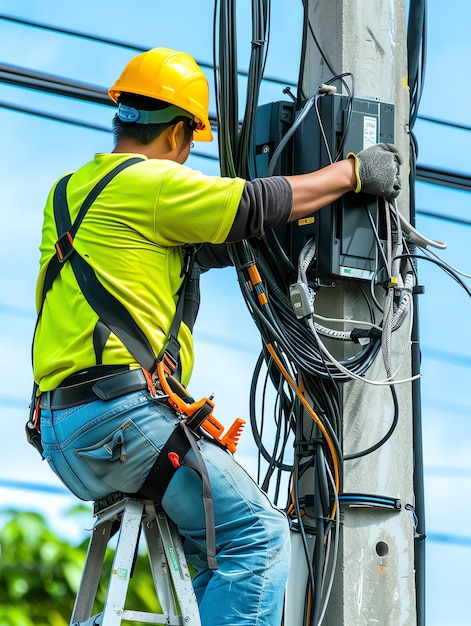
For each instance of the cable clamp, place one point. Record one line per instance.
(366, 500)
(302, 299)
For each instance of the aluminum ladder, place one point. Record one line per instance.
(170, 573)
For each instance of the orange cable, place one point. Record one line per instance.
(314, 416)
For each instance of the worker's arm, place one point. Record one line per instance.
(313, 191)
(267, 203)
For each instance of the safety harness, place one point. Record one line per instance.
(160, 372)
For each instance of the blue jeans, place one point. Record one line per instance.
(102, 447)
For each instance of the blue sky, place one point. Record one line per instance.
(35, 152)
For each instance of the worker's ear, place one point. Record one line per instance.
(172, 134)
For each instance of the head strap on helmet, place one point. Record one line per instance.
(162, 116)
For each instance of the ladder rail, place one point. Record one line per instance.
(85, 597)
(179, 570)
(159, 566)
(170, 572)
(123, 562)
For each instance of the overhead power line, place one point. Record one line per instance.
(435, 120)
(57, 85)
(60, 86)
(53, 117)
(118, 43)
(137, 48)
(445, 178)
(81, 124)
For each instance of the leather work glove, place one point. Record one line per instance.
(377, 170)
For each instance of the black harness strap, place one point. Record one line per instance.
(172, 455)
(101, 334)
(112, 313)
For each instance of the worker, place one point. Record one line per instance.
(102, 423)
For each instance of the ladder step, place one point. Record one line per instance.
(170, 572)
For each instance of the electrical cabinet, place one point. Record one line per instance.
(349, 233)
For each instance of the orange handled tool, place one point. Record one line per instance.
(199, 413)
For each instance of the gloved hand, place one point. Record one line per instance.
(377, 170)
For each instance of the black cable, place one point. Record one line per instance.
(446, 268)
(319, 549)
(445, 218)
(245, 158)
(385, 438)
(349, 109)
(286, 401)
(416, 54)
(319, 47)
(302, 60)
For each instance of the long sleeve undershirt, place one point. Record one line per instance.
(265, 203)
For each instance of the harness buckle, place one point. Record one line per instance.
(64, 247)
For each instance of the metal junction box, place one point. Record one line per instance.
(348, 233)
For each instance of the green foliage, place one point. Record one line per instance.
(40, 574)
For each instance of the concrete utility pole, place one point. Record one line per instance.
(375, 580)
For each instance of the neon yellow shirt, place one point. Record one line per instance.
(132, 236)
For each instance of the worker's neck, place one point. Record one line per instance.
(153, 150)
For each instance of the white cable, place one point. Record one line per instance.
(306, 257)
(336, 546)
(350, 374)
(409, 335)
(343, 335)
(321, 127)
(388, 302)
(405, 301)
(416, 237)
(347, 321)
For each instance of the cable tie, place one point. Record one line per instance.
(246, 265)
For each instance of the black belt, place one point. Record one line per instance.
(98, 388)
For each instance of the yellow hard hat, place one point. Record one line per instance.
(171, 76)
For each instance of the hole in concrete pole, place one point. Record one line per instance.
(382, 548)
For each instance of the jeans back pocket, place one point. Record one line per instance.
(120, 459)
